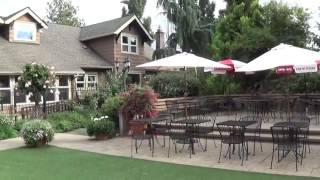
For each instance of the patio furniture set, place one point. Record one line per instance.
(192, 123)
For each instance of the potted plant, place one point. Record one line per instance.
(101, 128)
(140, 103)
(37, 133)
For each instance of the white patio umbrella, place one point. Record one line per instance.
(286, 58)
(182, 60)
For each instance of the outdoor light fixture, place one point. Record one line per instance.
(116, 64)
(127, 63)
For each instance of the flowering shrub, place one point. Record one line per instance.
(4, 120)
(141, 102)
(37, 132)
(101, 126)
(35, 80)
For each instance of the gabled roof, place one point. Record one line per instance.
(9, 19)
(112, 27)
(60, 47)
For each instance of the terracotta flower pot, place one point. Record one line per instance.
(137, 127)
(102, 136)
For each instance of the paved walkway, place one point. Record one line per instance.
(121, 147)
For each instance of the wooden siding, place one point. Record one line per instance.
(104, 47)
(26, 18)
(110, 47)
(136, 59)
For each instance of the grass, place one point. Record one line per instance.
(52, 163)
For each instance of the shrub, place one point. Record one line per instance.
(141, 102)
(111, 108)
(173, 84)
(220, 84)
(67, 121)
(37, 132)
(98, 126)
(7, 128)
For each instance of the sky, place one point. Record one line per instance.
(94, 11)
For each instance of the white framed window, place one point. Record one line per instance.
(80, 81)
(25, 31)
(5, 90)
(87, 81)
(129, 44)
(92, 81)
(63, 88)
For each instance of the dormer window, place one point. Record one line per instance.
(129, 44)
(25, 31)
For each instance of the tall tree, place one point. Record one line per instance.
(137, 7)
(63, 12)
(247, 29)
(193, 22)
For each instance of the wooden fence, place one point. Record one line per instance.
(30, 112)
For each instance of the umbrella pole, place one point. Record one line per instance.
(305, 84)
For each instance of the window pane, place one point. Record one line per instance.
(51, 96)
(91, 85)
(63, 81)
(125, 40)
(133, 41)
(5, 97)
(80, 78)
(133, 49)
(64, 93)
(80, 85)
(125, 48)
(4, 82)
(25, 31)
(20, 97)
(91, 78)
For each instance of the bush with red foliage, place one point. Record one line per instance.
(140, 102)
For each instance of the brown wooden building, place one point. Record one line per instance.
(81, 55)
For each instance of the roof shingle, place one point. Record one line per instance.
(103, 29)
(60, 47)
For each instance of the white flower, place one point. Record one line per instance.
(29, 83)
(36, 75)
(47, 82)
(19, 78)
(26, 85)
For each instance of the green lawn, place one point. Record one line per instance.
(62, 164)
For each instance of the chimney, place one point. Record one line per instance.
(159, 39)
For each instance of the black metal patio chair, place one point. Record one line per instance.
(286, 140)
(232, 137)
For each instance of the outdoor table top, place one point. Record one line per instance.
(236, 123)
(292, 124)
(192, 121)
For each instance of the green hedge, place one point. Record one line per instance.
(172, 84)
